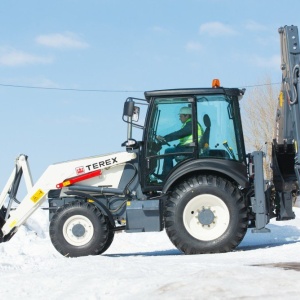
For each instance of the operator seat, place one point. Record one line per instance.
(204, 141)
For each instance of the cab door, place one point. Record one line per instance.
(164, 120)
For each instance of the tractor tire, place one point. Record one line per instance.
(80, 229)
(206, 214)
(110, 237)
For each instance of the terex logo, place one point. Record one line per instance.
(102, 164)
(79, 170)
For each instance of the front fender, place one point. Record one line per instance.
(233, 169)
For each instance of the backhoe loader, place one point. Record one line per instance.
(203, 189)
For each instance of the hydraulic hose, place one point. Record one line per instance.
(295, 78)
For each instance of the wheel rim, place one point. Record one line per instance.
(78, 230)
(206, 217)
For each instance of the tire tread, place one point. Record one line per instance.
(175, 232)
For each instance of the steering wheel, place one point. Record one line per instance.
(162, 142)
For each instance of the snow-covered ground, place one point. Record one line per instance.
(147, 266)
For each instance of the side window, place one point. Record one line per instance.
(216, 115)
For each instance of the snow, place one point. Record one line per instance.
(148, 266)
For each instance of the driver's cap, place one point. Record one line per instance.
(185, 111)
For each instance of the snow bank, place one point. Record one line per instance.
(148, 266)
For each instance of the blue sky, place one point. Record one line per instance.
(119, 48)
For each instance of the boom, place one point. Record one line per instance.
(286, 156)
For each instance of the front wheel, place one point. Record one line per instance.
(206, 214)
(80, 229)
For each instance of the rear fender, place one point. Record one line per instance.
(235, 170)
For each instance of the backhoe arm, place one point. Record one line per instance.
(286, 156)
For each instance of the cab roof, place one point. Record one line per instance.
(194, 91)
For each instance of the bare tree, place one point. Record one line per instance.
(258, 115)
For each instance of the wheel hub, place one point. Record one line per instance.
(78, 230)
(206, 217)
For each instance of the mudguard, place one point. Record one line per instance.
(237, 171)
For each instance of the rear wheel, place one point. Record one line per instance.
(80, 229)
(206, 214)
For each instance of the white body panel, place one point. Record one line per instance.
(111, 166)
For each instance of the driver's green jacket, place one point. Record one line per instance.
(184, 135)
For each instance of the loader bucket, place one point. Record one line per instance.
(2, 222)
(2, 216)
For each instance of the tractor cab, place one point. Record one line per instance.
(184, 126)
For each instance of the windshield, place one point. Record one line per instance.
(167, 114)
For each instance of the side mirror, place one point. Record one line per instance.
(131, 111)
(128, 108)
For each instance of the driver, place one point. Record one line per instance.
(185, 137)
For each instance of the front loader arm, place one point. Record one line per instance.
(57, 176)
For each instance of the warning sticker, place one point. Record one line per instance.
(37, 196)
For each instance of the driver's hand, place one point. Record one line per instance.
(160, 138)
